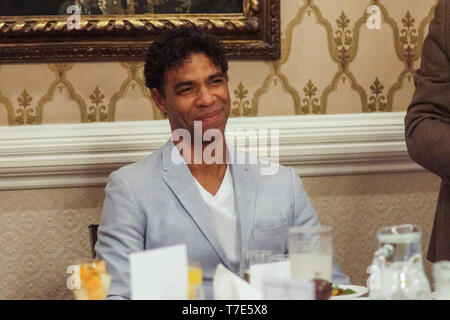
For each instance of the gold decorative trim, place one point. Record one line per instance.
(355, 43)
(393, 90)
(421, 33)
(311, 102)
(343, 40)
(275, 72)
(411, 57)
(395, 30)
(333, 87)
(97, 111)
(60, 69)
(287, 40)
(408, 39)
(131, 68)
(241, 104)
(353, 52)
(377, 100)
(275, 66)
(329, 30)
(9, 108)
(25, 115)
(362, 93)
(406, 55)
(254, 34)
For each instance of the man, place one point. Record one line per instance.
(220, 210)
(427, 123)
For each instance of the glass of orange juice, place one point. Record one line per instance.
(195, 278)
(93, 280)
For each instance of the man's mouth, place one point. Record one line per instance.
(209, 117)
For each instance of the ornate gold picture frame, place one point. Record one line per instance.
(252, 34)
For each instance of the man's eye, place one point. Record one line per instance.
(184, 90)
(217, 80)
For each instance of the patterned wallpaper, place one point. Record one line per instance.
(43, 231)
(331, 62)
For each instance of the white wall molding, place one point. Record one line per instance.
(48, 156)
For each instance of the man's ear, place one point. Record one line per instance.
(159, 100)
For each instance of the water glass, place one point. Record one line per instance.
(253, 257)
(310, 252)
(278, 257)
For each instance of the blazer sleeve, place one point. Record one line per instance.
(427, 122)
(120, 233)
(304, 215)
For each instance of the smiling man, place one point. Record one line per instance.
(219, 209)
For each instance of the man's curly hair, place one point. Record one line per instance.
(173, 46)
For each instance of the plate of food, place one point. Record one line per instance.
(347, 292)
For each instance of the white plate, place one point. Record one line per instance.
(360, 290)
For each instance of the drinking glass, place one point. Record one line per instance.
(441, 276)
(92, 280)
(310, 252)
(195, 279)
(256, 257)
(279, 257)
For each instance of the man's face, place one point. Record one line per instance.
(196, 90)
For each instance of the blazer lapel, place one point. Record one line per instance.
(181, 182)
(245, 179)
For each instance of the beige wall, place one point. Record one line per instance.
(330, 63)
(43, 231)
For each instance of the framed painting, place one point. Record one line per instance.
(111, 30)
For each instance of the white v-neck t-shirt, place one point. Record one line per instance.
(223, 214)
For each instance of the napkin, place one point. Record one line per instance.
(159, 274)
(283, 289)
(228, 286)
(274, 280)
(273, 270)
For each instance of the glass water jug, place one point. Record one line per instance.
(397, 271)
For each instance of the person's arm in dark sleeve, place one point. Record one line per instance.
(427, 123)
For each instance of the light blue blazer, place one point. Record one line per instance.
(155, 203)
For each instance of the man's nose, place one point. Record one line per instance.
(205, 97)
